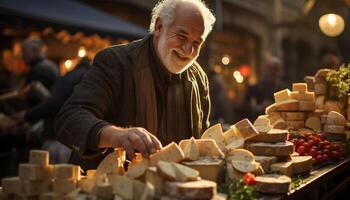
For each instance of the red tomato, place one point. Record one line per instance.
(327, 151)
(335, 147)
(312, 152)
(300, 142)
(326, 143)
(319, 159)
(249, 179)
(306, 145)
(320, 135)
(301, 150)
(335, 154)
(310, 138)
(320, 144)
(325, 158)
(311, 143)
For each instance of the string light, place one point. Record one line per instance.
(331, 25)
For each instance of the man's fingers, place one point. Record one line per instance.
(128, 148)
(137, 143)
(145, 136)
(156, 142)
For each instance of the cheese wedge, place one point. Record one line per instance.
(171, 153)
(240, 155)
(176, 172)
(272, 184)
(282, 95)
(245, 167)
(111, 163)
(209, 168)
(122, 186)
(206, 147)
(313, 123)
(320, 100)
(262, 124)
(191, 151)
(215, 133)
(301, 164)
(202, 189)
(232, 173)
(138, 169)
(238, 143)
(155, 179)
(269, 149)
(273, 136)
(231, 135)
(274, 116)
(340, 118)
(246, 129)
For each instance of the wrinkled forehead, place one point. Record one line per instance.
(188, 18)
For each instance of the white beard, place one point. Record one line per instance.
(166, 56)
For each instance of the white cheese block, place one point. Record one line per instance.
(285, 168)
(262, 124)
(308, 96)
(138, 188)
(122, 186)
(176, 172)
(171, 153)
(272, 184)
(202, 189)
(333, 129)
(215, 133)
(266, 161)
(209, 168)
(50, 196)
(279, 124)
(206, 147)
(282, 95)
(245, 167)
(273, 136)
(63, 186)
(240, 155)
(231, 135)
(11, 185)
(313, 123)
(295, 124)
(299, 87)
(269, 149)
(301, 164)
(35, 187)
(33, 172)
(291, 116)
(103, 190)
(39, 157)
(111, 163)
(138, 169)
(86, 185)
(274, 116)
(288, 105)
(65, 171)
(191, 151)
(246, 129)
(155, 179)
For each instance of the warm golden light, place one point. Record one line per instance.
(81, 52)
(238, 76)
(68, 64)
(225, 60)
(331, 25)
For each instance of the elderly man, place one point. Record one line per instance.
(140, 95)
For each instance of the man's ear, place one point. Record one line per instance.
(158, 27)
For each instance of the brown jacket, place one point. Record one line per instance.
(119, 89)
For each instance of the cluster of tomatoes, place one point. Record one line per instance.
(315, 144)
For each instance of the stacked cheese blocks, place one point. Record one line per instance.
(39, 180)
(334, 125)
(292, 108)
(274, 152)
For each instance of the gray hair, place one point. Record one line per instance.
(165, 10)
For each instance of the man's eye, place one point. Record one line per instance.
(181, 37)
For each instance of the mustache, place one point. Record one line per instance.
(181, 53)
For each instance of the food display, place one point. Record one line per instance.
(301, 131)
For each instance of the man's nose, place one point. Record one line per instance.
(188, 49)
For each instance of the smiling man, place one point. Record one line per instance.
(144, 94)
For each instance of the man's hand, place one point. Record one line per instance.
(20, 116)
(130, 139)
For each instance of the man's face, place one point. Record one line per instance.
(179, 43)
(28, 53)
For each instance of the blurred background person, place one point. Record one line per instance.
(260, 95)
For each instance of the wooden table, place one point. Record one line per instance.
(326, 183)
